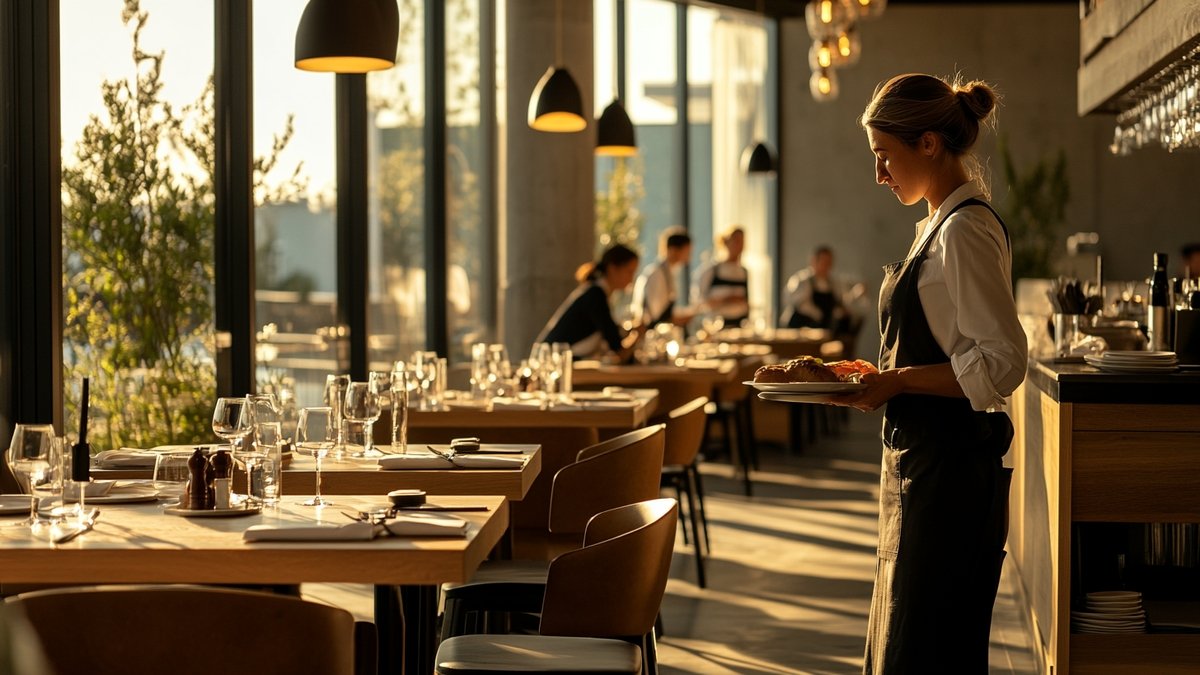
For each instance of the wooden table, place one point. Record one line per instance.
(788, 343)
(141, 544)
(465, 418)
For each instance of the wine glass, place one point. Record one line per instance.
(335, 397)
(316, 435)
(362, 407)
(233, 420)
(32, 453)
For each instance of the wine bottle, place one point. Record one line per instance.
(1156, 312)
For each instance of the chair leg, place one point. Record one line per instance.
(733, 452)
(683, 516)
(649, 654)
(697, 483)
(795, 429)
(743, 456)
(696, 549)
(751, 439)
(658, 625)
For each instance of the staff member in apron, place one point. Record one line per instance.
(816, 298)
(654, 294)
(722, 283)
(952, 349)
(584, 320)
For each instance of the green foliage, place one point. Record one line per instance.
(618, 218)
(138, 214)
(1034, 211)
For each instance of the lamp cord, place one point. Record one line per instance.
(558, 33)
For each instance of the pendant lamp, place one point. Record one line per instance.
(348, 36)
(760, 158)
(615, 136)
(556, 104)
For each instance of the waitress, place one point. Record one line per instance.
(722, 283)
(952, 350)
(584, 320)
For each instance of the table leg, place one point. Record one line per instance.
(420, 628)
(389, 623)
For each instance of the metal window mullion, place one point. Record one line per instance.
(436, 328)
(489, 197)
(233, 187)
(352, 200)
(683, 131)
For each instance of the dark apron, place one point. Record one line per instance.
(666, 315)
(943, 504)
(743, 284)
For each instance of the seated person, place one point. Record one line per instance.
(721, 284)
(815, 298)
(584, 320)
(654, 295)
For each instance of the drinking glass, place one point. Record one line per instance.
(335, 398)
(400, 387)
(425, 368)
(479, 371)
(264, 483)
(232, 419)
(362, 406)
(171, 474)
(566, 366)
(31, 455)
(316, 435)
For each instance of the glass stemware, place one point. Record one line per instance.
(233, 420)
(316, 436)
(362, 407)
(32, 454)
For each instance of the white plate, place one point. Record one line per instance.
(14, 505)
(806, 387)
(233, 512)
(826, 399)
(130, 494)
(1139, 356)
(1114, 595)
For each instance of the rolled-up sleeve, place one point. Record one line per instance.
(990, 361)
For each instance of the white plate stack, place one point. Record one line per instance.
(1134, 362)
(1111, 612)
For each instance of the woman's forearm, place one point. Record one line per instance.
(934, 380)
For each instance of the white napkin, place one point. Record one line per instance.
(620, 405)
(510, 404)
(471, 461)
(96, 488)
(360, 531)
(125, 458)
(426, 525)
(466, 404)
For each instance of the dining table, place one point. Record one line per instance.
(142, 543)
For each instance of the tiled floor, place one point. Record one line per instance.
(789, 580)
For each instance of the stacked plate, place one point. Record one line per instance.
(1111, 612)
(1134, 362)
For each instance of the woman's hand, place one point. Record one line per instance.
(881, 387)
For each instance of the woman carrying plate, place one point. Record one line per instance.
(952, 350)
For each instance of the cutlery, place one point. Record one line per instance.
(87, 526)
(381, 514)
(448, 456)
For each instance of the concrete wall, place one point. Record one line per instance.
(1139, 204)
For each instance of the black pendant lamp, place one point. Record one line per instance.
(556, 104)
(348, 36)
(760, 158)
(615, 136)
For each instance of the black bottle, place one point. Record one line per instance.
(1157, 313)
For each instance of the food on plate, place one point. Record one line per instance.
(852, 371)
(812, 369)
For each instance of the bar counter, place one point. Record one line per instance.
(1094, 447)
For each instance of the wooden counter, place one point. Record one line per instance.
(1094, 447)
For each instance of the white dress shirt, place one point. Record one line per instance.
(965, 288)
(653, 291)
(703, 290)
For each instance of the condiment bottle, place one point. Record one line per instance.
(1157, 311)
(197, 487)
(222, 466)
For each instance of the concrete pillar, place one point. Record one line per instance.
(547, 184)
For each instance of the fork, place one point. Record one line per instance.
(88, 524)
(448, 456)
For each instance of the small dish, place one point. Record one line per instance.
(232, 512)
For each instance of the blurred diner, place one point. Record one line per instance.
(584, 320)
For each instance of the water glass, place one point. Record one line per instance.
(264, 481)
(400, 389)
(362, 407)
(232, 419)
(171, 473)
(335, 398)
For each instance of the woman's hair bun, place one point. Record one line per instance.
(977, 97)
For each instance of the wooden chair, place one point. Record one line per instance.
(620, 471)
(685, 434)
(600, 604)
(193, 630)
(732, 403)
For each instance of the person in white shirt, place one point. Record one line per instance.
(655, 298)
(816, 298)
(952, 351)
(720, 284)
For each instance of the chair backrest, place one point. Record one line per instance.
(629, 470)
(635, 436)
(685, 432)
(187, 629)
(613, 587)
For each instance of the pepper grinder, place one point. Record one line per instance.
(197, 488)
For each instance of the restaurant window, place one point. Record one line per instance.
(468, 240)
(701, 23)
(396, 233)
(295, 206)
(137, 218)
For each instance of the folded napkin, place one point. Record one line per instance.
(510, 404)
(360, 531)
(614, 404)
(125, 458)
(466, 404)
(431, 461)
(426, 525)
(96, 488)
